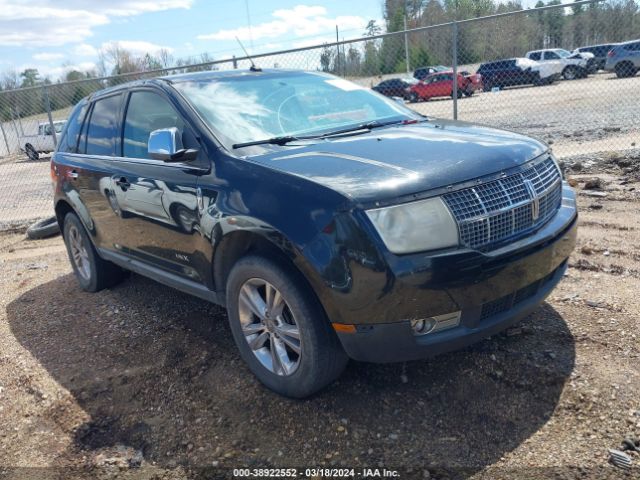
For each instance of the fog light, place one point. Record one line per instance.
(423, 326)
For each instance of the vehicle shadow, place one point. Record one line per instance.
(157, 370)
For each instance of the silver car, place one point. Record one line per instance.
(624, 59)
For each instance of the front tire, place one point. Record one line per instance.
(280, 328)
(570, 73)
(92, 272)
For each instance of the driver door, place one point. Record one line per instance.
(156, 201)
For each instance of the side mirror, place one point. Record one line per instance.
(166, 144)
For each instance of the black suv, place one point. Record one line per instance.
(510, 72)
(599, 53)
(330, 221)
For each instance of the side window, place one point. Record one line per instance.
(535, 56)
(69, 142)
(147, 111)
(103, 125)
(551, 56)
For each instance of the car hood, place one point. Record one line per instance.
(402, 160)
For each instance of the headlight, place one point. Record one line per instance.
(415, 227)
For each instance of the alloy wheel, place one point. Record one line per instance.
(79, 253)
(269, 327)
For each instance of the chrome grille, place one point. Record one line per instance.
(495, 211)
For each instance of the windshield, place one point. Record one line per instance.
(258, 106)
(563, 53)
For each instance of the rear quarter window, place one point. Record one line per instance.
(103, 125)
(69, 141)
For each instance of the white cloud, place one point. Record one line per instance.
(37, 23)
(138, 47)
(23, 25)
(301, 20)
(84, 50)
(48, 57)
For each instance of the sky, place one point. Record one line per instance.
(55, 36)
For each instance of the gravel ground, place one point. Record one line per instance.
(141, 381)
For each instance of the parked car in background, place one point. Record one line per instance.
(574, 65)
(599, 53)
(518, 71)
(336, 223)
(441, 85)
(41, 142)
(422, 72)
(395, 87)
(624, 59)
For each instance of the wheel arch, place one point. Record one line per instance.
(237, 244)
(66, 205)
(62, 208)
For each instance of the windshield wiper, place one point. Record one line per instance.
(287, 139)
(268, 141)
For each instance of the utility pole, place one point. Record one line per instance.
(337, 51)
(406, 42)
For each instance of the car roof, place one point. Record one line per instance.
(629, 42)
(501, 60)
(443, 72)
(207, 75)
(598, 45)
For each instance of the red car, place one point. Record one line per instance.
(440, 84)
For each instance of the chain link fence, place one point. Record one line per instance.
(510, 73)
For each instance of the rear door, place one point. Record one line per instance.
(88, 167)
(156, 202)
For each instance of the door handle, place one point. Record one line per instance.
(73, 174)
(123, 183)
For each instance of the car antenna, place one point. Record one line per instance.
(253, 65)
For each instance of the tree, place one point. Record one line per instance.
(326, 58)
(554, 20)
(372, 29)
(30, 77)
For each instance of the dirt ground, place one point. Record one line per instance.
(141, 381)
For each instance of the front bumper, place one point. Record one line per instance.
(492, 291)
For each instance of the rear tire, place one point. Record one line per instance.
(31, 152)
(92, 272)
(265, 300)
(625, 69)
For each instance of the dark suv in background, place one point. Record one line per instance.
(599, 53)
(512, 72)
(330, 221)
